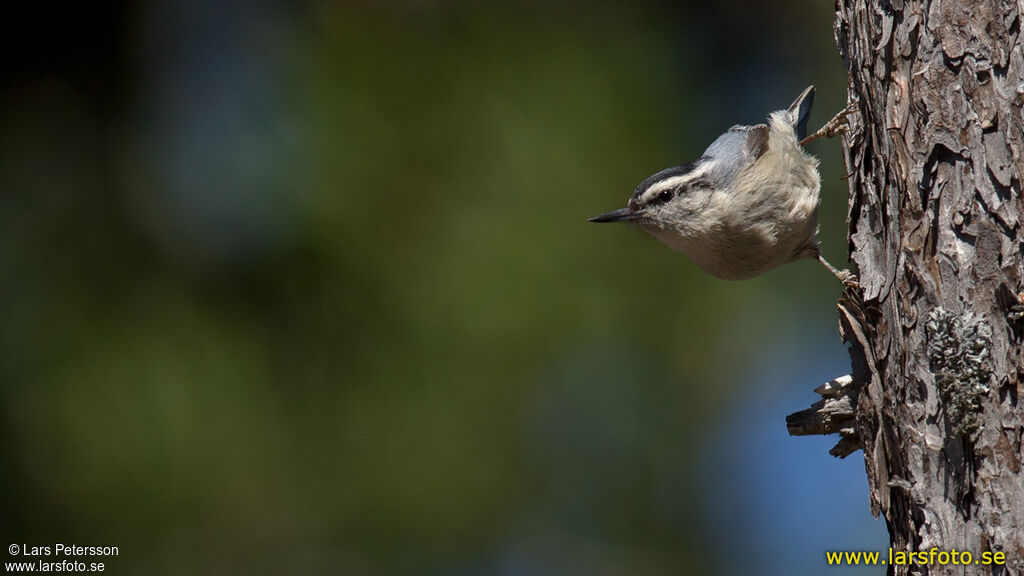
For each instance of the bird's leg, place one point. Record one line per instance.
(849, 279)
(834, 127)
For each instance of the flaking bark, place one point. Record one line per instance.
(935, 161)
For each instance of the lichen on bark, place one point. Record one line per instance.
(958, 353)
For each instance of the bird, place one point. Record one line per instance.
(748, 204)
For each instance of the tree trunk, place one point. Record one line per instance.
(935, 158)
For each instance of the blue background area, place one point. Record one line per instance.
(309, 288)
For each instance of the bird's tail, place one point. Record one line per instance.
(799, 112)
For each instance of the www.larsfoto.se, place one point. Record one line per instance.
(930, 557)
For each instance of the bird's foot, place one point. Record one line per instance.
(834, 127)
(849, 279)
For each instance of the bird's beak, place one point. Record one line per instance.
(620, 215)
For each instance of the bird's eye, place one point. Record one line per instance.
(664, 195)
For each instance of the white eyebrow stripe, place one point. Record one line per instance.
(674, 182)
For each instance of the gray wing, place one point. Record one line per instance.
(735, 150)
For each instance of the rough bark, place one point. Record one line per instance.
(833, 414)
(935, 158)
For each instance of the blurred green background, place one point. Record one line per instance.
(308, 288)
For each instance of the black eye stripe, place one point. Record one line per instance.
(666, 194)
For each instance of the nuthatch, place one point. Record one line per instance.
(749, 204)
